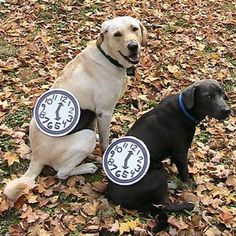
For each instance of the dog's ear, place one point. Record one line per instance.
(104, 30)
(144, 35)
(189, 96)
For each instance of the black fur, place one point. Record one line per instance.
(87, 117)
(168, 132)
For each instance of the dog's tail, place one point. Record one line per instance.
(18, 187)
(178, 207)
(161, 213)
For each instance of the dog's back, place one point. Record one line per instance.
(162, 128)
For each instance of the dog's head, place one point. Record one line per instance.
(206, 98)
(122, 38)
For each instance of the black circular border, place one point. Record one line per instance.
(71, 126)
(105, 159)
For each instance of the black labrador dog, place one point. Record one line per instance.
(168, 130)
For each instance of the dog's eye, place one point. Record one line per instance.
(211, 96)
(135, 29)
(117, 34)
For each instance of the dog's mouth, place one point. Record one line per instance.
(132, 58)
(221, 115)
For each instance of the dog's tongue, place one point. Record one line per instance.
(134, 58)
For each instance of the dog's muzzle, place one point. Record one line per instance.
(133, 55)
(225, 112)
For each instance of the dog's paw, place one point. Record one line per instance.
(90, 168)
(61, 175)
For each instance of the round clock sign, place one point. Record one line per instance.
(56, 112)
(126, 160)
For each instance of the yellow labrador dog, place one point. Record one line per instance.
(97, 78)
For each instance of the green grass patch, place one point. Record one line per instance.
(18, 118)
(125, 126)
(50, 211)
(229, 84)
(204, 136)
(84, 12)
(8, 219)
(229, 6)
(121, 107)
(151, 104)
(97, 176)
(45, 15)
(170, 29)
(230, 57)
(15, 168)
(66, 199)
(181, 22)
(6, 143)
(7, 50)
(83, 43)
(210, 48)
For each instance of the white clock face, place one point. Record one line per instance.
(57, 112)
(126, 160)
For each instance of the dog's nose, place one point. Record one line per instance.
(225, 111)
(132, 46)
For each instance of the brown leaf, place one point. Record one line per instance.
(90, 208)
(196, 220)
(99, 186)
(114, 227)
(213, 231)
(189, 197)
(178, 222)
(10, 158)
(3, 205)
(226, 216)
(231, 181)
(29, 215)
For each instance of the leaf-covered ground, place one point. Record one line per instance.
(188, 40)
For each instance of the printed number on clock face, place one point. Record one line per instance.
(126, 160)
(57, 112)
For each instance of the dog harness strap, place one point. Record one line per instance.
(129, 71)
(184, 110)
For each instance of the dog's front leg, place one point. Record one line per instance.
(181, 162)
(104, 120)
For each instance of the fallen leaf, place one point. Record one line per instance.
(226, 216)
(10, 158)
(178, 222)
(189, 197)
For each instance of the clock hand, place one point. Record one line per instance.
(126, 159)
(60, 104)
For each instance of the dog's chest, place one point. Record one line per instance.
(110, 90)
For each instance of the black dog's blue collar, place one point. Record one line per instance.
(129, 71)
(184, 110)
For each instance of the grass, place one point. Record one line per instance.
(229, 84)
(89, 10)
(170, 29)
(7, 50)
(8, 219)
(121, 107)
(6, 143)
(204, 136)
(230, 57)
(16, 167)
(125, 126)
(209, 48)
(181, 22)
(97, 176)
(18, 118)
